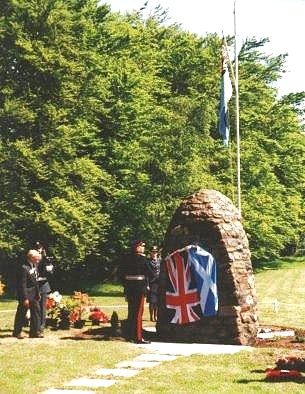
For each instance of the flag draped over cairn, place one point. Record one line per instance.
(191, 286)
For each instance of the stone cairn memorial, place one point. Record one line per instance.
(209, 218)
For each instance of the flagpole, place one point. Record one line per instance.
(237, 113)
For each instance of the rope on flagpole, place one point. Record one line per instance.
(232, 174)
(237, 115)
(235, 82)
(228, 60)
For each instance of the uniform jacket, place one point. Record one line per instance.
(27, 285)
(134, 264)
(154, 270)
(44, 276)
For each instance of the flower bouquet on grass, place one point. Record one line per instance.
(282, 374)
(53, 306)
(75, 309)
(287, 368)
(291, 363)
(59, 311)
(97, 316)
(80, 312)
(66, 314)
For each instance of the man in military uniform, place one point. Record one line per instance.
(28, 296)
(134, 274)
(45, 270)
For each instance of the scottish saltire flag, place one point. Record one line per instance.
(225, 95)
(203, 268)
(181, 298)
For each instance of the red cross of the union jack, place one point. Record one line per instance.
(183, 298)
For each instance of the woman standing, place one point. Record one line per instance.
(154, 272)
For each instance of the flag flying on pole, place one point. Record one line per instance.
(225, 95)
(191, 288)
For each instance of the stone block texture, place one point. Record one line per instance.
(209, 218)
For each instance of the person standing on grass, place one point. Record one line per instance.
(45, 270)
(154, 272)
(28, 296)
(134, 274)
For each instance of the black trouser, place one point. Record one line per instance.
(20, 316)
(135, 314)
(43, 309)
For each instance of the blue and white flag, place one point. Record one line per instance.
(203, 267)
(225, 95)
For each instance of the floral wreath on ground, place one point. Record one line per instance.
(287, 367)
(97, 316)
(75, 309)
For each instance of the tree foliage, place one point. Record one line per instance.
(107, 121)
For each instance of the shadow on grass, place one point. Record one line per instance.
(95, 334)
(106, 334)
(265, 379)
(246, 381)
(285, 262)
(8, 333)
(5, 333)
(85, 338)
(267, 265)
(299, 380)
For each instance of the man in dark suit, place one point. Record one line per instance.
(28, 296)
(45, 270)
(134, 274)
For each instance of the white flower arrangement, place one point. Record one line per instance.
(56, 296)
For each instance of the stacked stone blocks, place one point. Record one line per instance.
(209, 218)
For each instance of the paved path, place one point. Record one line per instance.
(159, 352)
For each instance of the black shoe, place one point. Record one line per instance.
(142, 342)
(18, 336)
(38, 335)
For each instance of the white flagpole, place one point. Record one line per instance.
(237, 114)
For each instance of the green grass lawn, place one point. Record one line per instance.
(281, 295)
(31, 366)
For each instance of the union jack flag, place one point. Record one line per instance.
(192, 289)
(182, 297)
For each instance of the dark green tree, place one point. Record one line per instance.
(108, 120)
(51, 187)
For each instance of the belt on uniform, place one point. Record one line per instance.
(134, 277)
